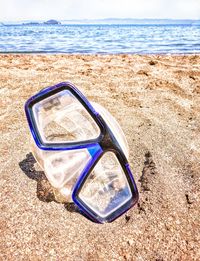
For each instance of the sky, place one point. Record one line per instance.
(19, 10)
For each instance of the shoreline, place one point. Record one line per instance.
(101, 54)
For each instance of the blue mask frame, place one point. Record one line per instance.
(97, 147)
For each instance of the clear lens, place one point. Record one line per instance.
(106, 188)
(62, 118)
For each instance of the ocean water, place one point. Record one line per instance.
(103, 39)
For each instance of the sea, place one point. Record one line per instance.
(100, 39)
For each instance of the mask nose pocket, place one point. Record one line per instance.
(64, 167)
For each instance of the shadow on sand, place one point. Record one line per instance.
(44, 189)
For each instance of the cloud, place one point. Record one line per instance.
(92, 9)
(33, 10)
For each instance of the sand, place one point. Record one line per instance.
(156, 99)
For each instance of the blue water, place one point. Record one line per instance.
(101, 39)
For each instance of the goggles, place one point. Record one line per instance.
(83, 152)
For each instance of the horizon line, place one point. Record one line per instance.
(103, 19)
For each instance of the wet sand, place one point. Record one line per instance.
(156, 99)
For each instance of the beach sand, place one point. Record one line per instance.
(156, 99)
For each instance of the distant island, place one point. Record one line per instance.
(52, 22)
(31, 23)
(49, 22)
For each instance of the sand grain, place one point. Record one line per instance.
(156, 100)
